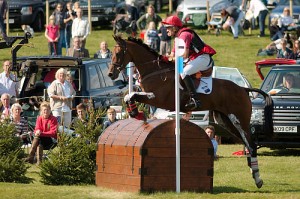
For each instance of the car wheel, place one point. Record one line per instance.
(38, 23)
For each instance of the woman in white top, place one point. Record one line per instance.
(258, 8)
(61, 93)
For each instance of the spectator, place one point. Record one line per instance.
(49, 77)
(7, 85)
(3, 10)
(259, 10)
(104, 52)
(59, 21)
(210, 131)
(275, 32)
(284, 52)
(76, 6)
(286, 21)
(21, 124)
(165, 41)
(5, 107)
(69, 78)
(61, 93)
(69, 16)
(151, 37)
(233, 16)
(144, 20)
(76, 50)
(111, 117)
(288, 81)
(52, 34)
(81, 115)
(296, 50)
(271, 49)
(80, 28)
(45, 133)
(133, 15)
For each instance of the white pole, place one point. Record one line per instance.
(179, 49)
(130, 66)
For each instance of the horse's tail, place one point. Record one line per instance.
(268, 110)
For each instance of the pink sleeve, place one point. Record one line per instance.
(38, 124)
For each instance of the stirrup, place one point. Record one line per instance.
(193, 104)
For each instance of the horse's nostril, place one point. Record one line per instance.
(110, 74)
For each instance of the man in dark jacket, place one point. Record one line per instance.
(232, 16)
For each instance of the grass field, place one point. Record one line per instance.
(280, 170)
(239, 53)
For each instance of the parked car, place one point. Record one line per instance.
(93, 86)
(286, 114)
(105, 11)
(28, 13)
(278, 10)
(158, 4)
(204, 118)
(224, 4)
(193, 12)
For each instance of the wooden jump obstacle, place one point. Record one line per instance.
(137, 157)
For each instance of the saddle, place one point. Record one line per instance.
(197, 76)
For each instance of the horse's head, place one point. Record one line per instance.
(119, 58)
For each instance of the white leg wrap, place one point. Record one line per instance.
(237, 125)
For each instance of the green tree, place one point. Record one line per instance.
(12, 166)
(74, 160)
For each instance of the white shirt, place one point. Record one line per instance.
(80, 28)
(256, 6)
(8, 86)
(285, 21)
(67, 93)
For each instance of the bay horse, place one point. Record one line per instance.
(229, 102)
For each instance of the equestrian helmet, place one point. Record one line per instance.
(172, 21)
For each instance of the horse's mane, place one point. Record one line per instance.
(141, 43)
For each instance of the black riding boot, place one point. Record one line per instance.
(193, 103)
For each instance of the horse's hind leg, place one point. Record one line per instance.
(252, 156)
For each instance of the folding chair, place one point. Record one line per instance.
(216, 21)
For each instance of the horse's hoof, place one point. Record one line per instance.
(260, 184)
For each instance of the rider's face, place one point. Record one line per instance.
(170, 31)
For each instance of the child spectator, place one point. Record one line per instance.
(210, 131)
(45, 133)
(52, 34)
(69, 16)
(165, 41)
(59, 21)
(151, 37)
(81, 115)
(111, 117)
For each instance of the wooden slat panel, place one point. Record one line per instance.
(195, 172)
(120, 169)
(118, 179)
(119, 159)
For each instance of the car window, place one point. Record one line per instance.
(287, 2)
(93, 77)
(275, 82)
(104, 71)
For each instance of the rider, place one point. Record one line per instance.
(197, 55)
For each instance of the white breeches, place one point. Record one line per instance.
(201, 63)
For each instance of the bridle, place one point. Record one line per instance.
(120, 66)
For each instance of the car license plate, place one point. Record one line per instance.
(285, 129)
(94, 19)
(10, 21)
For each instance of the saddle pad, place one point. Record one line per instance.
(205, 85)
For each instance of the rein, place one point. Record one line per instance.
(158, 72)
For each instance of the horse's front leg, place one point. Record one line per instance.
(252, 149)
(139, 96)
